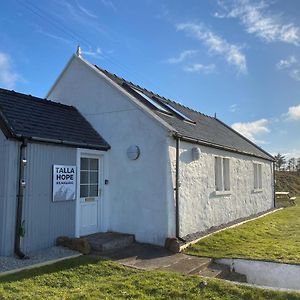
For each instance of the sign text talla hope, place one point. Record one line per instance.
(64, 182)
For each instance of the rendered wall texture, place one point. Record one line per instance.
(200, 207)
(136, 201)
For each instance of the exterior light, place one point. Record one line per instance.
(133, 152)
(196, 153)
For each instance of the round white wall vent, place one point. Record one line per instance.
(196, 153)
(133, 152)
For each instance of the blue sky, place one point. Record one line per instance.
(239, 59)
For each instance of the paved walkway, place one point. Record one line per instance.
(148, 257)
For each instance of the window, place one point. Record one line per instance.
(183, 116)
(89, 177)
(162, 106)
(257, 176)
(152, 101)
(222, 174)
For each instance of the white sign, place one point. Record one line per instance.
(64, 183)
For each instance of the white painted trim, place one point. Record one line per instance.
(103, 210)
(232, 226)
(223, 193)
(257, 190)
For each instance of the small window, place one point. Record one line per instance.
(222, 174)
(152, 101)
(183, 116)
(89, 177)
(257, 176)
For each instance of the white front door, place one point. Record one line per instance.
(90, 194)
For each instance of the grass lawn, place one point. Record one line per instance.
(88, 278)
(275, 237)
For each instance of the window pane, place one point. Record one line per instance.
(84, 164)
(218, 174)
(93, 190)
(259, 176)
(93, 164)
(93, 177)
(226, 174)
(84, 191)
(84, 177)
(255, 176)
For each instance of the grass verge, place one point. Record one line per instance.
(88, 278)
(275, 237)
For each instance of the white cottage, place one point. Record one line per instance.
(139, 163)
(171, 171)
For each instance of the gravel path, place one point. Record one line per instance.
(38, 257)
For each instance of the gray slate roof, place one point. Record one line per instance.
(205, 129)
(25, 116)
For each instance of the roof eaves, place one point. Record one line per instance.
(68, 143)
(247, 140)
(217, 146)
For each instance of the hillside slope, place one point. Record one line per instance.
(288, 182)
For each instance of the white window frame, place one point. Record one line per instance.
(257, 177)
(222, 175)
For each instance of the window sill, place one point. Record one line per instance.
(222, 193)
(257, 191)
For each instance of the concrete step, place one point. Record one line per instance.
(188, 265)
(107, 241)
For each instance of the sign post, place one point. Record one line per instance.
(64, 183)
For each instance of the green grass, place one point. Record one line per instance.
(88, 278)
(288, 182)
(275, 237)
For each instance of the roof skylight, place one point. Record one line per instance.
(152, 101)
(162, 106)
(179, 113)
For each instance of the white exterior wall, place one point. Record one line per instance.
(200, 208)
(264, 273)
(137, 194)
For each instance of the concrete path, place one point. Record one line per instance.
(148, 257)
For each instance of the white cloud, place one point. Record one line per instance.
(181, 57)
(95, 53)
(295, 74)
(199, 68)
(109, 4)
(8, 76)
(233, 108)
(286, 63)
(216, 45)
(291, 65)
(293, 113)
(292, 153)
(252, 129)
(86, 11)
(259, 21)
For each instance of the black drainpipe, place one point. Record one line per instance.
(20, 197)
(177, 186)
